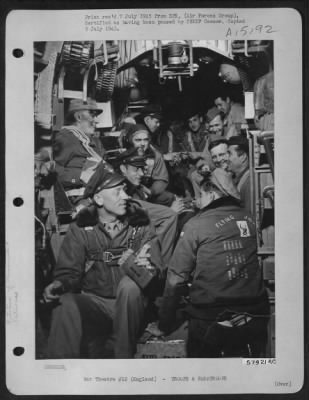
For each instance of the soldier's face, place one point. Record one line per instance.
(133, 174)
(141, 142)
(113, 200)
(223, 105)
(216, 125)
(235, 161)
(195, 123)
(220, 156)
(87, 121)
(152, 123)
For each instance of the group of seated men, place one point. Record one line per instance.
(133, 240)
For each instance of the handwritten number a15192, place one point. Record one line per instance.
(247, 30)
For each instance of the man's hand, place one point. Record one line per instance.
(173, 158)
(43, 168)
(125, 255)
(47, 167)
(196, 203)
(169, 156)
(146, 191)
(143, 258)
(195, 154)
(178, 205)
(153, 329)
(48, 294)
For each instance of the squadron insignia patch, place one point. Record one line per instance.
(243, 228)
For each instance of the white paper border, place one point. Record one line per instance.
(25, 375)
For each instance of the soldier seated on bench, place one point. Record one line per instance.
(156, 177)
(108, 259)
(76, 150)
(131, 165)
(216, 252)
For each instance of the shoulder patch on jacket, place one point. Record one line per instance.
(243, 228)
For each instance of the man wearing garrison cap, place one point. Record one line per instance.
(76, 151)
(216, 253)
(93, 281)
(215, 122)
(132, 165)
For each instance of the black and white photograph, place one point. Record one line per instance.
(155, 217)
(154, 199)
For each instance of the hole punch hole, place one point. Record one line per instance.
(18, 53)
(18, 351)
(18, 201)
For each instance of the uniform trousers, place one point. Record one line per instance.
(208, 339)
(121, 317)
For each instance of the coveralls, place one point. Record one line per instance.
(97, 290)
(216, 252)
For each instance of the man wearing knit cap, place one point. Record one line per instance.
(76, 151)
(216, 253)
(109, 258)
